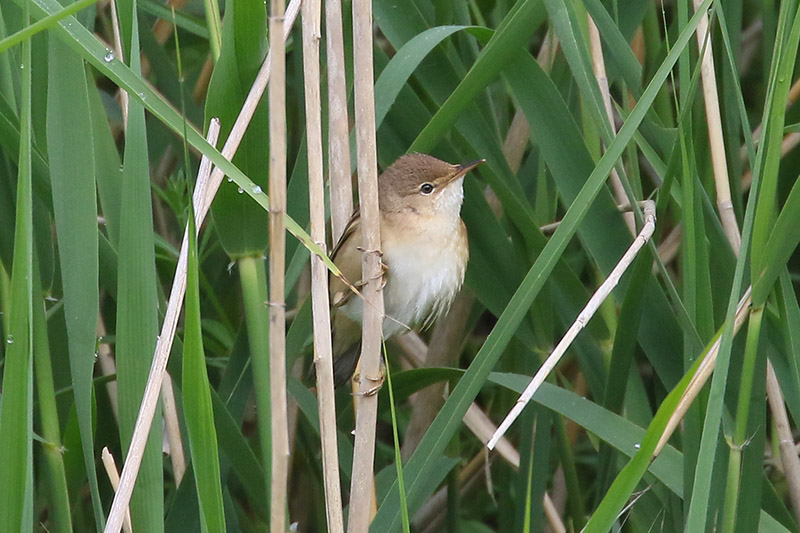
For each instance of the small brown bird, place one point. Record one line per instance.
(425, 252)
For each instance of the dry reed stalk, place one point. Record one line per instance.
(361, 488)
(277, 272)
(599, 67)
(320, 305)
(715, 138)
(791, 468)
(113, 477)
(340, 183)
(172, 429)
(789, 458)
(701, 376)
(583, 318)
(205, 189)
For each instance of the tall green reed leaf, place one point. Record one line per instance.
(137, 310)
(72, 174)
(16, 408)
(197, 403)
(774, 242)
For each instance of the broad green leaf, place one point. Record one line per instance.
(242, 225)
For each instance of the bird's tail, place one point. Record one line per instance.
(344, 365)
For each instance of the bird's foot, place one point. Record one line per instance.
(377, 382)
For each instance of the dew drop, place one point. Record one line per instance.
(257, 189)
(637, 445)
(109, 57)
(230, 180)
(10, 339)
(241, 190)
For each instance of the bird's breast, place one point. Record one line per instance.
(425, 272)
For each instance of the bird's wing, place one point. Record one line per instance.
(348, 259)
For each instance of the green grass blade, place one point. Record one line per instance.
(42, 24)
(75, 209)
(781, 245)
(137, 313)
(783, 61)
(771, 247)
(16, 408)
(197, 405)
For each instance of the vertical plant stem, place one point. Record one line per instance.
(341, 186)
(60, 519)
(320, 305)
(715, 139)
(277, 267)
(364, 448)
(253, 275)
(16, 408)
(214, 24)
(739, 439)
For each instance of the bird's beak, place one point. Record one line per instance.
(463, 168)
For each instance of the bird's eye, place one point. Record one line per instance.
(426, 188)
